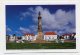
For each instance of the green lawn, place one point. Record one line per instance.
(41, 46)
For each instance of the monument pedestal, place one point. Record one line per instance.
(40, 36)
(40, 39)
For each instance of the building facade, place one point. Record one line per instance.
(50, 36)
(28, 37)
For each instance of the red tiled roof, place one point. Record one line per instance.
(50, 33)
(29, 34)
(67, 34)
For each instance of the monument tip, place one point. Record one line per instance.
(39, 13)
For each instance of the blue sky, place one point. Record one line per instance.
(22, 19)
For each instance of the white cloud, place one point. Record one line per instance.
(58, 20)
(48, 19)
(31, 9)
(24, 30)
(8, 29)
(24, 15)
(34, 28)
(18, 32)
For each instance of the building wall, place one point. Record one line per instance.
(35, 37)
(23, 38)
(66, 37)
(50, 37)
(7, 38)
(28, 38)
(12, 38)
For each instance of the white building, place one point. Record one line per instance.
(12, 38)
(35, 37)
(28, 37)
(69, 36)
(7, 38)
(50, 36)
(23, 38)
(66, 36)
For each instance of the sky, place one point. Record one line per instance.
(21, 19)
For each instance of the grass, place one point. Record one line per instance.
(40, 45)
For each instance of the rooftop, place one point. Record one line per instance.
(50, 33)
(29, 34)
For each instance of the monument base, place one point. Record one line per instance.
(40, 36)
(40, 41)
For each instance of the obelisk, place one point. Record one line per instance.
(40, 33)
(39, 38)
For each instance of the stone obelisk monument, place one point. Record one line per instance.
(40, 33)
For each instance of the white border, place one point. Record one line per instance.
(35, 2)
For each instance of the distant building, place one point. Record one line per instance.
(23, 38)
(7, 38)
(66, 36)
(69, 36)
(28, 37)
(12, 38)
(50, 36)
(35, 37)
